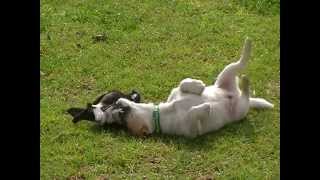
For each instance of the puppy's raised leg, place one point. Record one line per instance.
(194, 118)
(227, 78)
(242, 106)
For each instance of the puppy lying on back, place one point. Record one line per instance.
(102, 109)
(193, 109)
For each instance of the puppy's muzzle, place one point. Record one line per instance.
(79, 114)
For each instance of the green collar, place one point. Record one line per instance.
(156, 118)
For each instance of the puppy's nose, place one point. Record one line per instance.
(75, 120)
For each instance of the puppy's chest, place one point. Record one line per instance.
(170, 117)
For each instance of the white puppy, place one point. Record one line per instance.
(193, 109)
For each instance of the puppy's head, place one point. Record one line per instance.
(103, 110)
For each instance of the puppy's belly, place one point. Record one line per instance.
(219, 116)
(213, 123)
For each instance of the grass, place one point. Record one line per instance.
(151, 46)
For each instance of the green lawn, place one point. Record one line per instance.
(151, 46)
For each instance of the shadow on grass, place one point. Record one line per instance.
(243, 130)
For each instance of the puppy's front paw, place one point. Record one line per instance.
(194, 86)
(122, 102)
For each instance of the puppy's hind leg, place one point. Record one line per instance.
(227, 78)
(258, 103)
(245, 89)
(246, 101)
(239, 107)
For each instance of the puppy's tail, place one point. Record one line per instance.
(260, 103)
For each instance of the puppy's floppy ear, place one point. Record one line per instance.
(74, 111)
(134, 96)
(98, 99)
